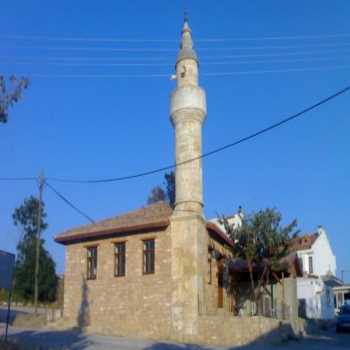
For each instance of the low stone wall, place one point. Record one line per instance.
(228, 331)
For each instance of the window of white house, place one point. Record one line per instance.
(311, 266)
(91, 263)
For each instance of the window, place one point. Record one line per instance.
(311, 266)
(148, 256)
(119, 259)
(91, 263)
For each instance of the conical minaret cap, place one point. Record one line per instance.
(186, 46)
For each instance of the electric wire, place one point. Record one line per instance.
(18, 178)
(160, 58)
(147, 64)
(143, 40)
(272, 71)
(205, 75)
(281, 54)
(64, 199)
(210, 153)
(152, 49)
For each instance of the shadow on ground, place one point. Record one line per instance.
(75, 339)
(66, 339)
(321, 340)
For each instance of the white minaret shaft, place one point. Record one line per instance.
(188, 111)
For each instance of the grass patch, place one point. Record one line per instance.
(29, 321)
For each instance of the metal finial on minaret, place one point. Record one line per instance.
(186, 18)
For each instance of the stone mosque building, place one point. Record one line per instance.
(151, 272)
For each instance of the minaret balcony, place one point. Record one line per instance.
(188, 98)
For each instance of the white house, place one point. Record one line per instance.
(235, 219)
(318, 263)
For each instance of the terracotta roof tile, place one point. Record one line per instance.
(212, 227)
(153, 216)
(303, 242)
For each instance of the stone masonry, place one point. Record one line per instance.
(134, 304)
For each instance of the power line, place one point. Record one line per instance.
(73, 48)
(217, 150)
(98, 76)
(18, 179)
(272, 47)
(167, 59)
(152, 49)
(160, 75)
(268, 71)
(144, 40)
(69, 203)
(290, 37)
(157, 64)
(86, 58)
(281, 54)
(85, 39)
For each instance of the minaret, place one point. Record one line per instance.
(188, 111)
(189, 237)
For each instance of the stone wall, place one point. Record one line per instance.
(134, 305)
(228, 330)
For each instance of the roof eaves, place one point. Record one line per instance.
(102, 234)
(213, 227)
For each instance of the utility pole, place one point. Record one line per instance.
(37, 253)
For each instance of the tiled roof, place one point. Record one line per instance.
(303, 242)
(214, 228)
(154, 216)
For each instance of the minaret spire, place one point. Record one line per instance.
(186, 46)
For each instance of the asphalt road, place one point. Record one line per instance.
(71, 339)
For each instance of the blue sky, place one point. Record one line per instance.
(105, 126)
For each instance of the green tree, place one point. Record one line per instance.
(26, 217)
(10, 93)
(170, 187)
(157, 195)
(165, 193)
(261, 241)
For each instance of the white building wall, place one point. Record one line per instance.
(324, 259)
(235, 220)
(318, 298)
